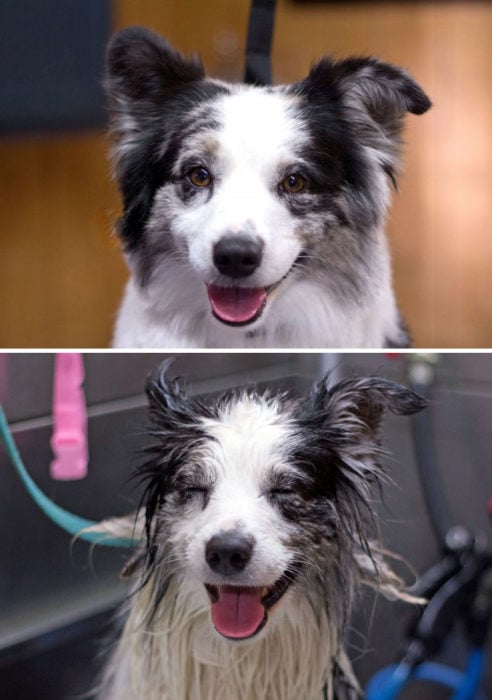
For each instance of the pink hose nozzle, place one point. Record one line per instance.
(69, 439)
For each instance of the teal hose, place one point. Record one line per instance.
(73, 524)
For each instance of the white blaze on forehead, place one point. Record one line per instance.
(248, 441)
(249, 438)
(258, 126)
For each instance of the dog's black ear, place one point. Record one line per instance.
(172, 410)
(340, 441)
(357, 406)
(143, 73)
(166, 396)
(142, 69)
(366, 85)
(351, 412)
(341, 438)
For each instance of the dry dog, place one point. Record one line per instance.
(254, 216)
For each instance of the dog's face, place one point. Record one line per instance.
(240, 189)
(256, 498)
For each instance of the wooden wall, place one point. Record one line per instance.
(61, 273)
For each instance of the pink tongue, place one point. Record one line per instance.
(236, 304)
(238, 612)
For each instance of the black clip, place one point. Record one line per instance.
(459, 586)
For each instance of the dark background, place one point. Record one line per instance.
(51, 59)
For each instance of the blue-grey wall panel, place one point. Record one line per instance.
(51, 63)
(26, 380)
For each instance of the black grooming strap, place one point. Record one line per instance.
(258, 69)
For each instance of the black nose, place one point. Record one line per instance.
(237, 256)
(228, 552)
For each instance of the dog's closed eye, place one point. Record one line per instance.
(282, 487)
(282, 491)
(194, 490)
(193, 495)
(189, 488)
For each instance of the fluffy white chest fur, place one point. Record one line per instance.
(305, 316)
(254, 216)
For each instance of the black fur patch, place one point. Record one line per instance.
(143, 171)
(385, 91)
(347, 104)
(152, 90)
(339, 443)
(147, 68)
(333, 154)
(176, 431)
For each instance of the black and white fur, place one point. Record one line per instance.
(266, 493)
(290, 201)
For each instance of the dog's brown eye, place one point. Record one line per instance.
(200, 177)
(293, 183)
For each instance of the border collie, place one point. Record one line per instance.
(254, 543)
(254, 216)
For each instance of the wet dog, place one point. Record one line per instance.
(254, 216)
(254, 543)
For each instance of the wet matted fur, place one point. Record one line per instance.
(254, 526)
(254, 216)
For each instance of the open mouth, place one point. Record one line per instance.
(240, 612)
(240, 306)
